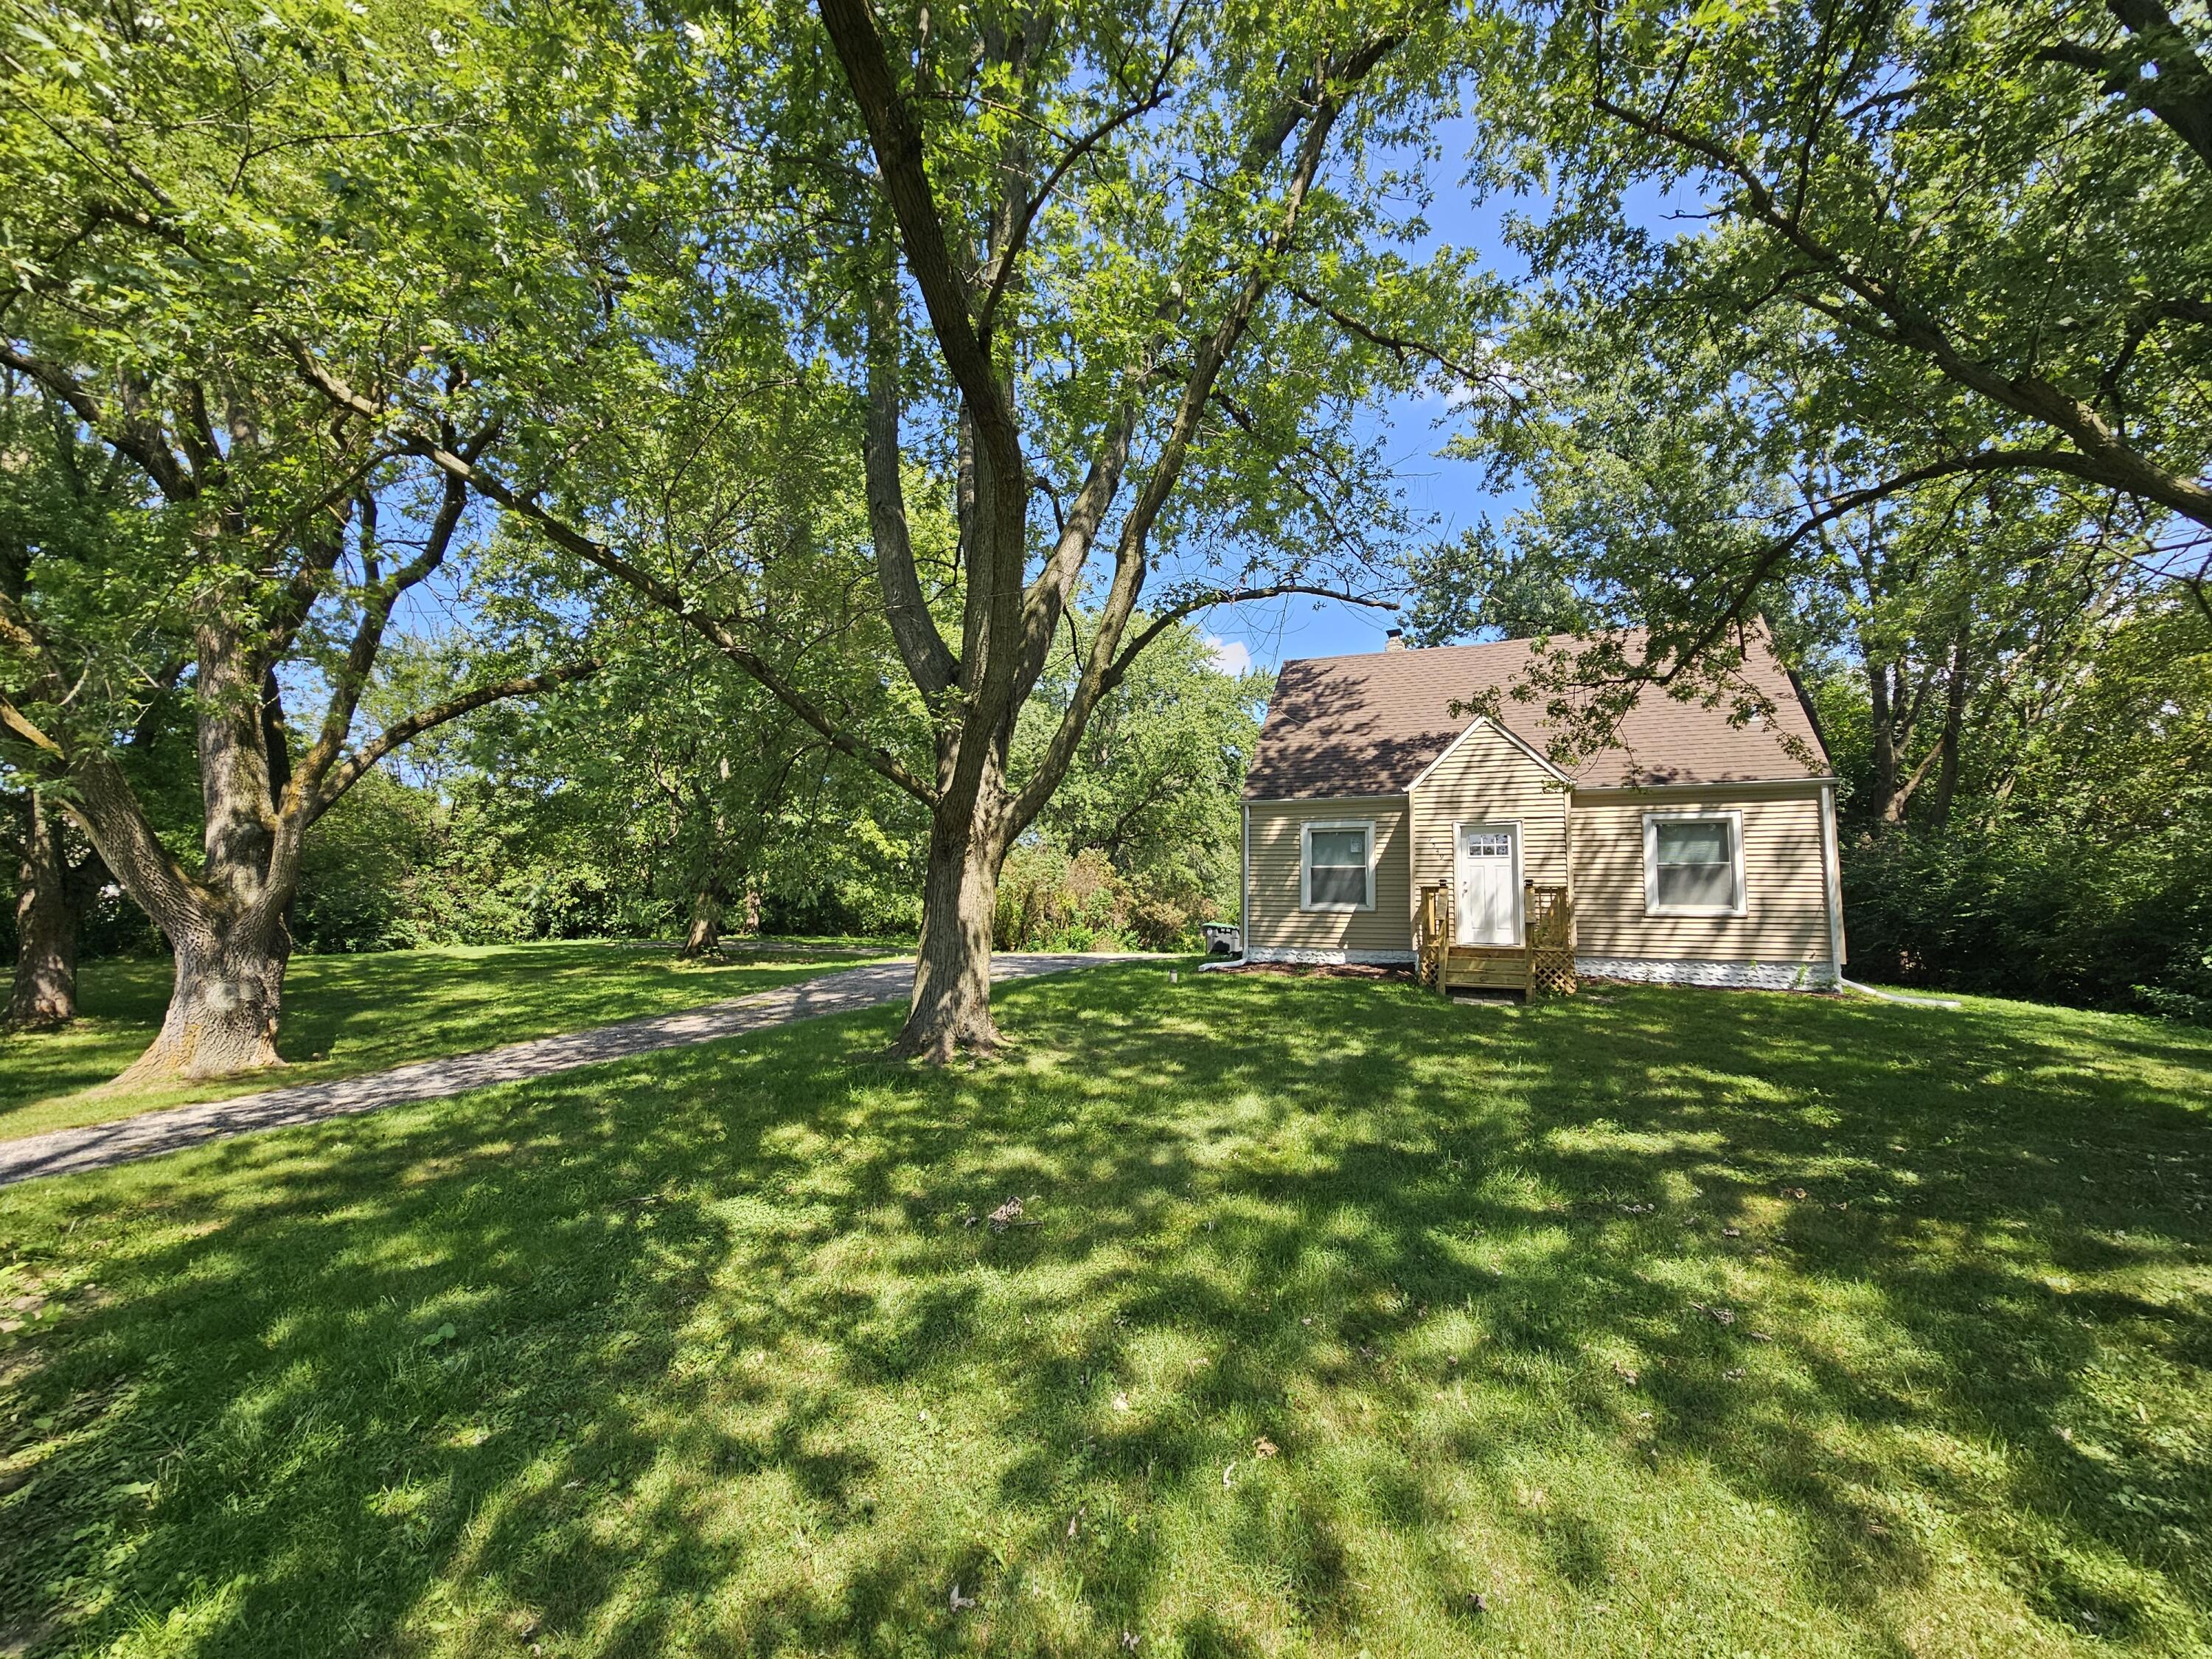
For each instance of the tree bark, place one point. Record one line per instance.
(704, 936)
(44, 991)
(228, 930)
(951, 1005)
(224, 1003)
(1883, 735)
(1947, 744)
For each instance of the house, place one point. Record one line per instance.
(1697, 850)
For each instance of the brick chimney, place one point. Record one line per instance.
(1395, 639)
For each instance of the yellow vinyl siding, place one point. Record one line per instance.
(1275, 921)
(1786, 896)
(1488, 778)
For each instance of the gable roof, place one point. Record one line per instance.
(1370, 724)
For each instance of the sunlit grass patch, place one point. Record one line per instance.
(1682, 1324)
(344, 1015)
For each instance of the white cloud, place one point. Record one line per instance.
(1230, 656)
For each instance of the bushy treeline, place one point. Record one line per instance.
(397, 867)
(702, 810)
(2070, 858)
(2019, 912)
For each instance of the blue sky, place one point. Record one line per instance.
(1449, 494)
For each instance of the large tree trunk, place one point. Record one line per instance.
(1954, 723)
(45, 928)
(1888, 803)
(228, 934)
(951, 1005)
(223, 1005)
(704, 936)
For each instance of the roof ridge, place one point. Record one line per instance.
(1465, 645)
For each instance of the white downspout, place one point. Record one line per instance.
(1832, 861)
(1244, 886)
(1831, 875)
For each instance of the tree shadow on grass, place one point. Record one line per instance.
(1680, 1320)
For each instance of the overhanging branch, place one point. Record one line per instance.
(345, 776)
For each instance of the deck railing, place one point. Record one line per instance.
(1547, 944)
(1549, 914)
(1432, 935)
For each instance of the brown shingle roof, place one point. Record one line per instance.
(1368, 724)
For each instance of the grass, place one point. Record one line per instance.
(348, 1014)
(1669, 1323)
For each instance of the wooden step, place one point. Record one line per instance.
(1485, 968)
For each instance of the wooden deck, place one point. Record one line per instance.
(1545, 961)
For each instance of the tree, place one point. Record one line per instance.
(635, 283)
(685, 787)
(186, 183)
(53, 889)
(1980, 229)
(1156, 786)
(1124, 264)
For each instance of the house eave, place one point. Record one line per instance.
(1807, 785)
(1320, 800)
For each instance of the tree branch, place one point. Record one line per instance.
(176, 482)
(1190, 606)
(346, 684)
(1101, 671)
(921, 647)
(1399, 346)
(343, 777)
(2115, 464)
(1155, 94)
(671, 598)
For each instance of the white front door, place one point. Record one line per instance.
(1487, 907)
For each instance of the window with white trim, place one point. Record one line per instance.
(1693, 863)
(1336, 866)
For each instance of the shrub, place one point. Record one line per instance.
(2022, 912)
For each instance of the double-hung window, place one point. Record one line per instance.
(1693, 863)
(1336, 866)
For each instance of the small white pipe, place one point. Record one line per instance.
(1891, 996)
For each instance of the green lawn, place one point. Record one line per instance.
(1669, 1322)
(344, 1015)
